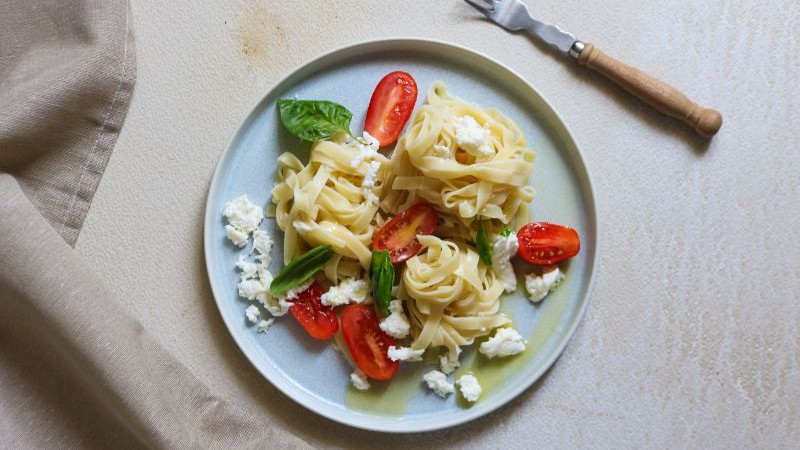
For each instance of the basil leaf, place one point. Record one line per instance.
(506, 232)
(382, 274)
(312, 120)
(300, 270)
(484, 247)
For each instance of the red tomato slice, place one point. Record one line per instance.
(546, 243)
(399, 235)
(390, 107)
(368, 344)
(317, 319)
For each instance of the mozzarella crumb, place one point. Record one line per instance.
(264, 325)
(264, 274)
(371, 141)
(295, 291)
(396, 324)
(359, 380)
(404, 353)
(469, 387)
(503, 249)
(449, 362)
(368, 184)
(280, 306)
(367, 149)
(251, 288)
(437, 382)
(539, 286)
(243, 215)
(506, 342)
(349, 290)
(237, 236)
(276, 307)
(262, 244)
(249, 269)
(472, 137)
(252, 313)
(441, 151)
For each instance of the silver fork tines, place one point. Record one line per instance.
(485, 11)
(513, 15)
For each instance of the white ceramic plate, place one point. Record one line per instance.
(312, 372)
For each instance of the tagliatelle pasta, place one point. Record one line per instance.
(428, 164)
(452, 297)
(324, 203)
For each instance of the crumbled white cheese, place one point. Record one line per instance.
(244, 218)
(449, 362)
(404, 353)
(276, 306)
(472, 137)
(252, 313)
(539, 286)
(349, 290)
(237, 236)
(469, 387)
(251, 288)
(396, 324)
(437, 382)
(303, 227)
(264, 325)
(506, 342)
(503, 249)
(368, 184)
(262, 244)
(371, 141)
(264, 274)
(249, 269)
(367, 149)
(280, 306)
(371, 175)
(243, 215)
(359, 380)
(295, 291)
(441, 151)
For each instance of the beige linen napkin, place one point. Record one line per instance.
(76, 371)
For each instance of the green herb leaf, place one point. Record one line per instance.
(506, 232)
(382, 274)
(484, 247)
(312, 120)
(300, 270)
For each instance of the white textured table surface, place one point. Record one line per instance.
(693, 335)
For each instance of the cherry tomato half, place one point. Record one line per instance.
(317, 319)
(546, 243)
(399, 235)
(368, 344)
(390, 106)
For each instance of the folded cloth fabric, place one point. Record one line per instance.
(76, 371)
(66, 76)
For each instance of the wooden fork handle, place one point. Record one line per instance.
(653, 91)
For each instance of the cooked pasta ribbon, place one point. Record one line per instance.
(452, 296)
(324, 203)
(427, 164)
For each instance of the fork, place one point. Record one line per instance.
(513, 15)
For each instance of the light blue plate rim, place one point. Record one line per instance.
(381, 423)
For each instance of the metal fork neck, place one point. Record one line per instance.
(576, 49)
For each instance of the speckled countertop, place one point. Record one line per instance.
(693, 335)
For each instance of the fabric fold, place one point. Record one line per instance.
(76, 370)
(67, 71)
(79, 372)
